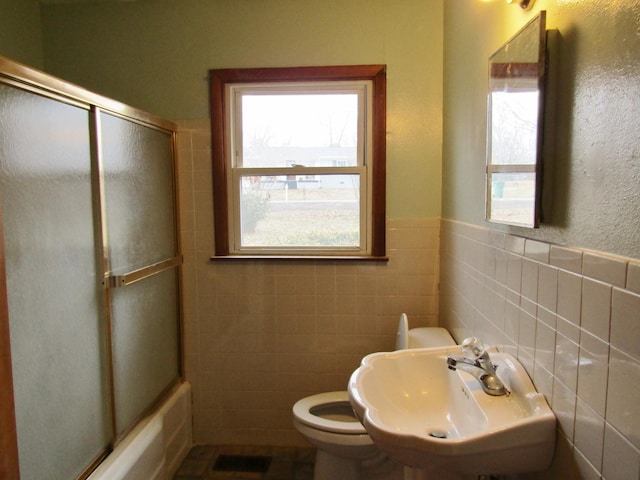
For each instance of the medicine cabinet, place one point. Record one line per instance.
(516, 100)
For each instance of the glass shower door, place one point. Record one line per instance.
(53, 286)
(90, 245)
(141, 239)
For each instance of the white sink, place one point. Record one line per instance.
(408, 399)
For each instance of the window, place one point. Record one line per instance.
(299, 161)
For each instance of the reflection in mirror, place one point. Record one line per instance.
(514, 137)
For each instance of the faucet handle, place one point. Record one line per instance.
(473, 347)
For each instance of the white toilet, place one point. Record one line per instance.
(327, 420)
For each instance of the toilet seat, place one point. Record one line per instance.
(303, 408)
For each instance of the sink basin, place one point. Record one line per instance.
(426, 416)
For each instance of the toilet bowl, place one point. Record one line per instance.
(327, 420)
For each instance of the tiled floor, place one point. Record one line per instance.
(285, 463)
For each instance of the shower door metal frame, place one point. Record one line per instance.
(37, 82)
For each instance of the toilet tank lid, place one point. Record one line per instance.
(428, 337)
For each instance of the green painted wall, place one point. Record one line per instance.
(596, 179)
(155, 55)
(21, 32)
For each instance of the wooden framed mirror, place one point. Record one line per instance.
(515, 113)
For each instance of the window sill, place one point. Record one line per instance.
(324, 258)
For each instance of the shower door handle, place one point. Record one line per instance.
(116, 281)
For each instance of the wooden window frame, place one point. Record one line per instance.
(218, 81)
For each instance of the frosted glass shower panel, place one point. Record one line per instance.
(146, 344)
(139, 195)
(139, 192)
(54, 287)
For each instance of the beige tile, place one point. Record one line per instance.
(514, 244)
(488, 261)
(589, 434)
(621, 459)
(306, 305)
(596, 308)
(545, 345)
(366, 305)
(623, 408)
(566, 258)
(497, 239)
(415, 285)
(548, 287)
(564, 408)
(478, 233)
(326, 305)
(625, 322)
(327, 324)
(346, 285)
(383, 286)
(501, 267)
(567, 356)
(569, 296)
(514, 272)
(326, 285)
(512, 321)
(586, 470)
(538, 251)
(527, 336)
(529, 286)
(412, 239)
(404, 261)
(633, 277)
(391, 305)
(201, 140)
(592, 372)
(411, 223)
(605, 268)
(347, 305)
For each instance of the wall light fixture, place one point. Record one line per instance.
(524, 4)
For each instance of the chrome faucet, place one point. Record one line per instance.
(478, 363)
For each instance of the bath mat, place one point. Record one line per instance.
(242, 463)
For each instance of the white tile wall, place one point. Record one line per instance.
(572, 317)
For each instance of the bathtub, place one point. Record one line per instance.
(156, 447)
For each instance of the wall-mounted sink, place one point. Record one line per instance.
(428, 417)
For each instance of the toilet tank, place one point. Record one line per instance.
(423, 337)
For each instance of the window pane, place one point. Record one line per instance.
(515, 142)
(300, 211)
(312, 130)
(512, 197)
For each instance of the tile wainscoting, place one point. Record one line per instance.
(572, 317)
(260, 335)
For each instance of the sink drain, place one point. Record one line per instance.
(438, 434)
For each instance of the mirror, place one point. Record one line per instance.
(514, 127)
